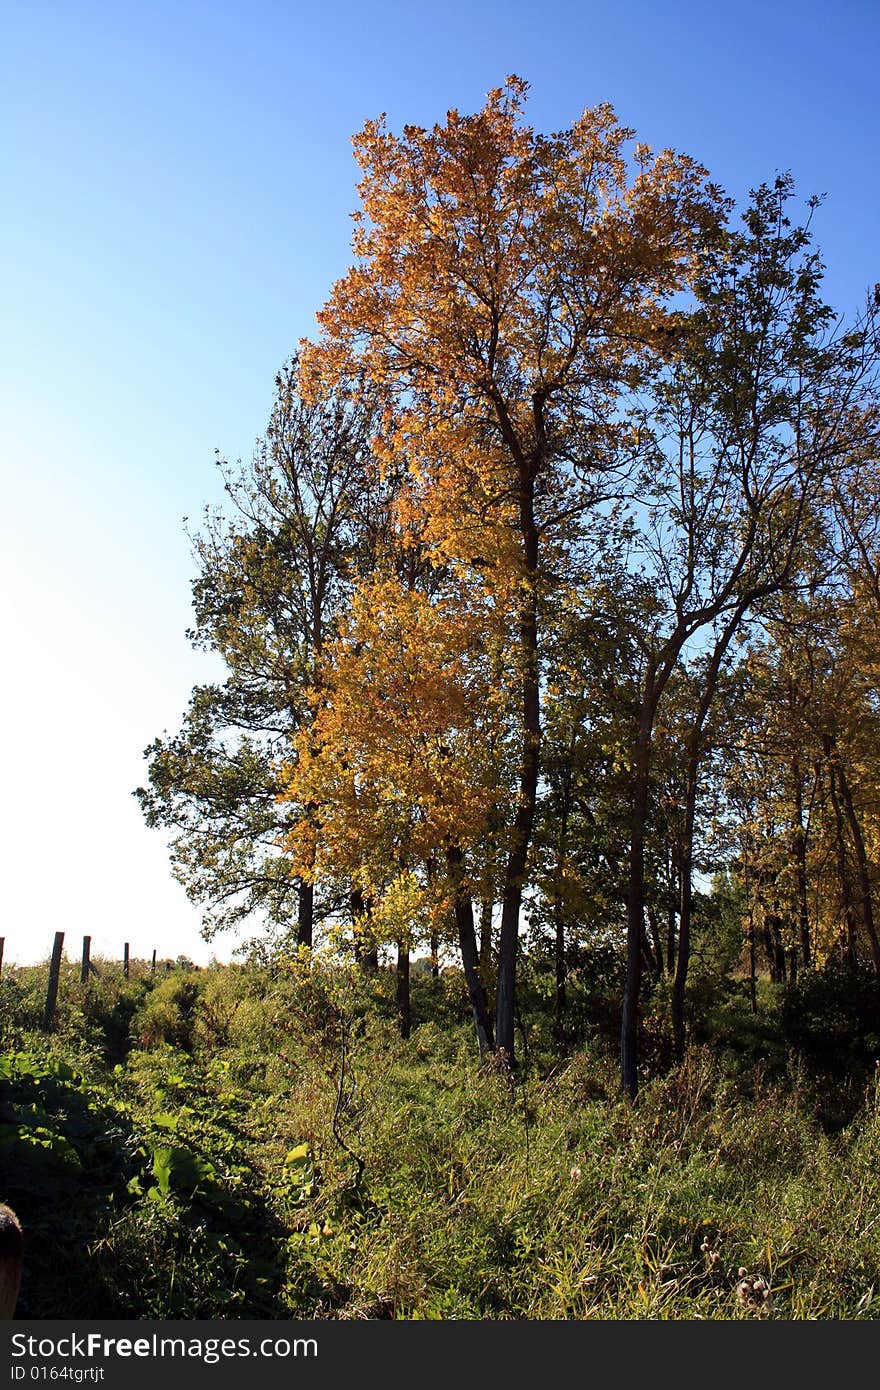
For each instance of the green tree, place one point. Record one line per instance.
(762, 399)
(274, 572)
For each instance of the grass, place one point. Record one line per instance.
(172, 1153)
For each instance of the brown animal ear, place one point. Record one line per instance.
(11, 1254)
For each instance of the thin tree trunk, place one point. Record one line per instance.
(686, 851)
(800, 860)
(648, 961)
(434, 939)
(769, 948)
(561, 971)
(779, 950)
(842, 871)
(862, 870)
(750, 933)
(470, 960)
(523, 821)
(558, 907)
(685, 869)
(486, 907)
(635, 925)
(305, 913)
(655, 951)
(674, 873)
(401, 990)
(365, 950)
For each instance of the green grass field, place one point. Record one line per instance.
(185, 1146)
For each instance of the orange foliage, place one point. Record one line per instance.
(507, 284)
(397, 765)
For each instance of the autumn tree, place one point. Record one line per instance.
(396, 765)
(808, 748)
(509, 289)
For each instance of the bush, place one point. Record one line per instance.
(168, 1013)
(832, 1019)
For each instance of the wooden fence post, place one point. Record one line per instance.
(125, 960)
(87, 951)
(152, 965)
(52, 989)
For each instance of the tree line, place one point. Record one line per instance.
(553, 585)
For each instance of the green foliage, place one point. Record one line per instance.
(167, 1013)
(831, 1018)
(108, 1006)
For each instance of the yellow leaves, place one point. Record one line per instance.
(408, 909)
(466, 226)
(498, 267)
(503, 297)
(401, 758)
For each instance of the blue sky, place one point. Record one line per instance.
(178, 181)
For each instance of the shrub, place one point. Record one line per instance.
(832, 1018)
(168, 1013)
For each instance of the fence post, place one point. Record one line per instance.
(52, 989)
(87, 951)
(125, 960)
(2, 944)
(152, 965)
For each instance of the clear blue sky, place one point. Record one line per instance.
(177, 183)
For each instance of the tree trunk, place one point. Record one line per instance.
(800, 860)
(635, 925)
(561, 971)
(470, 960)
(655, 945)
(366, 952)
(767, 941)
(434, 939)
(685, 869)
(842, 870)
(863, 872)
(558, 906)
(401, 990)
(778, 949)
(674, 873)
(530, 749)
(686, 852)
(305, 913)
(486, 938)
